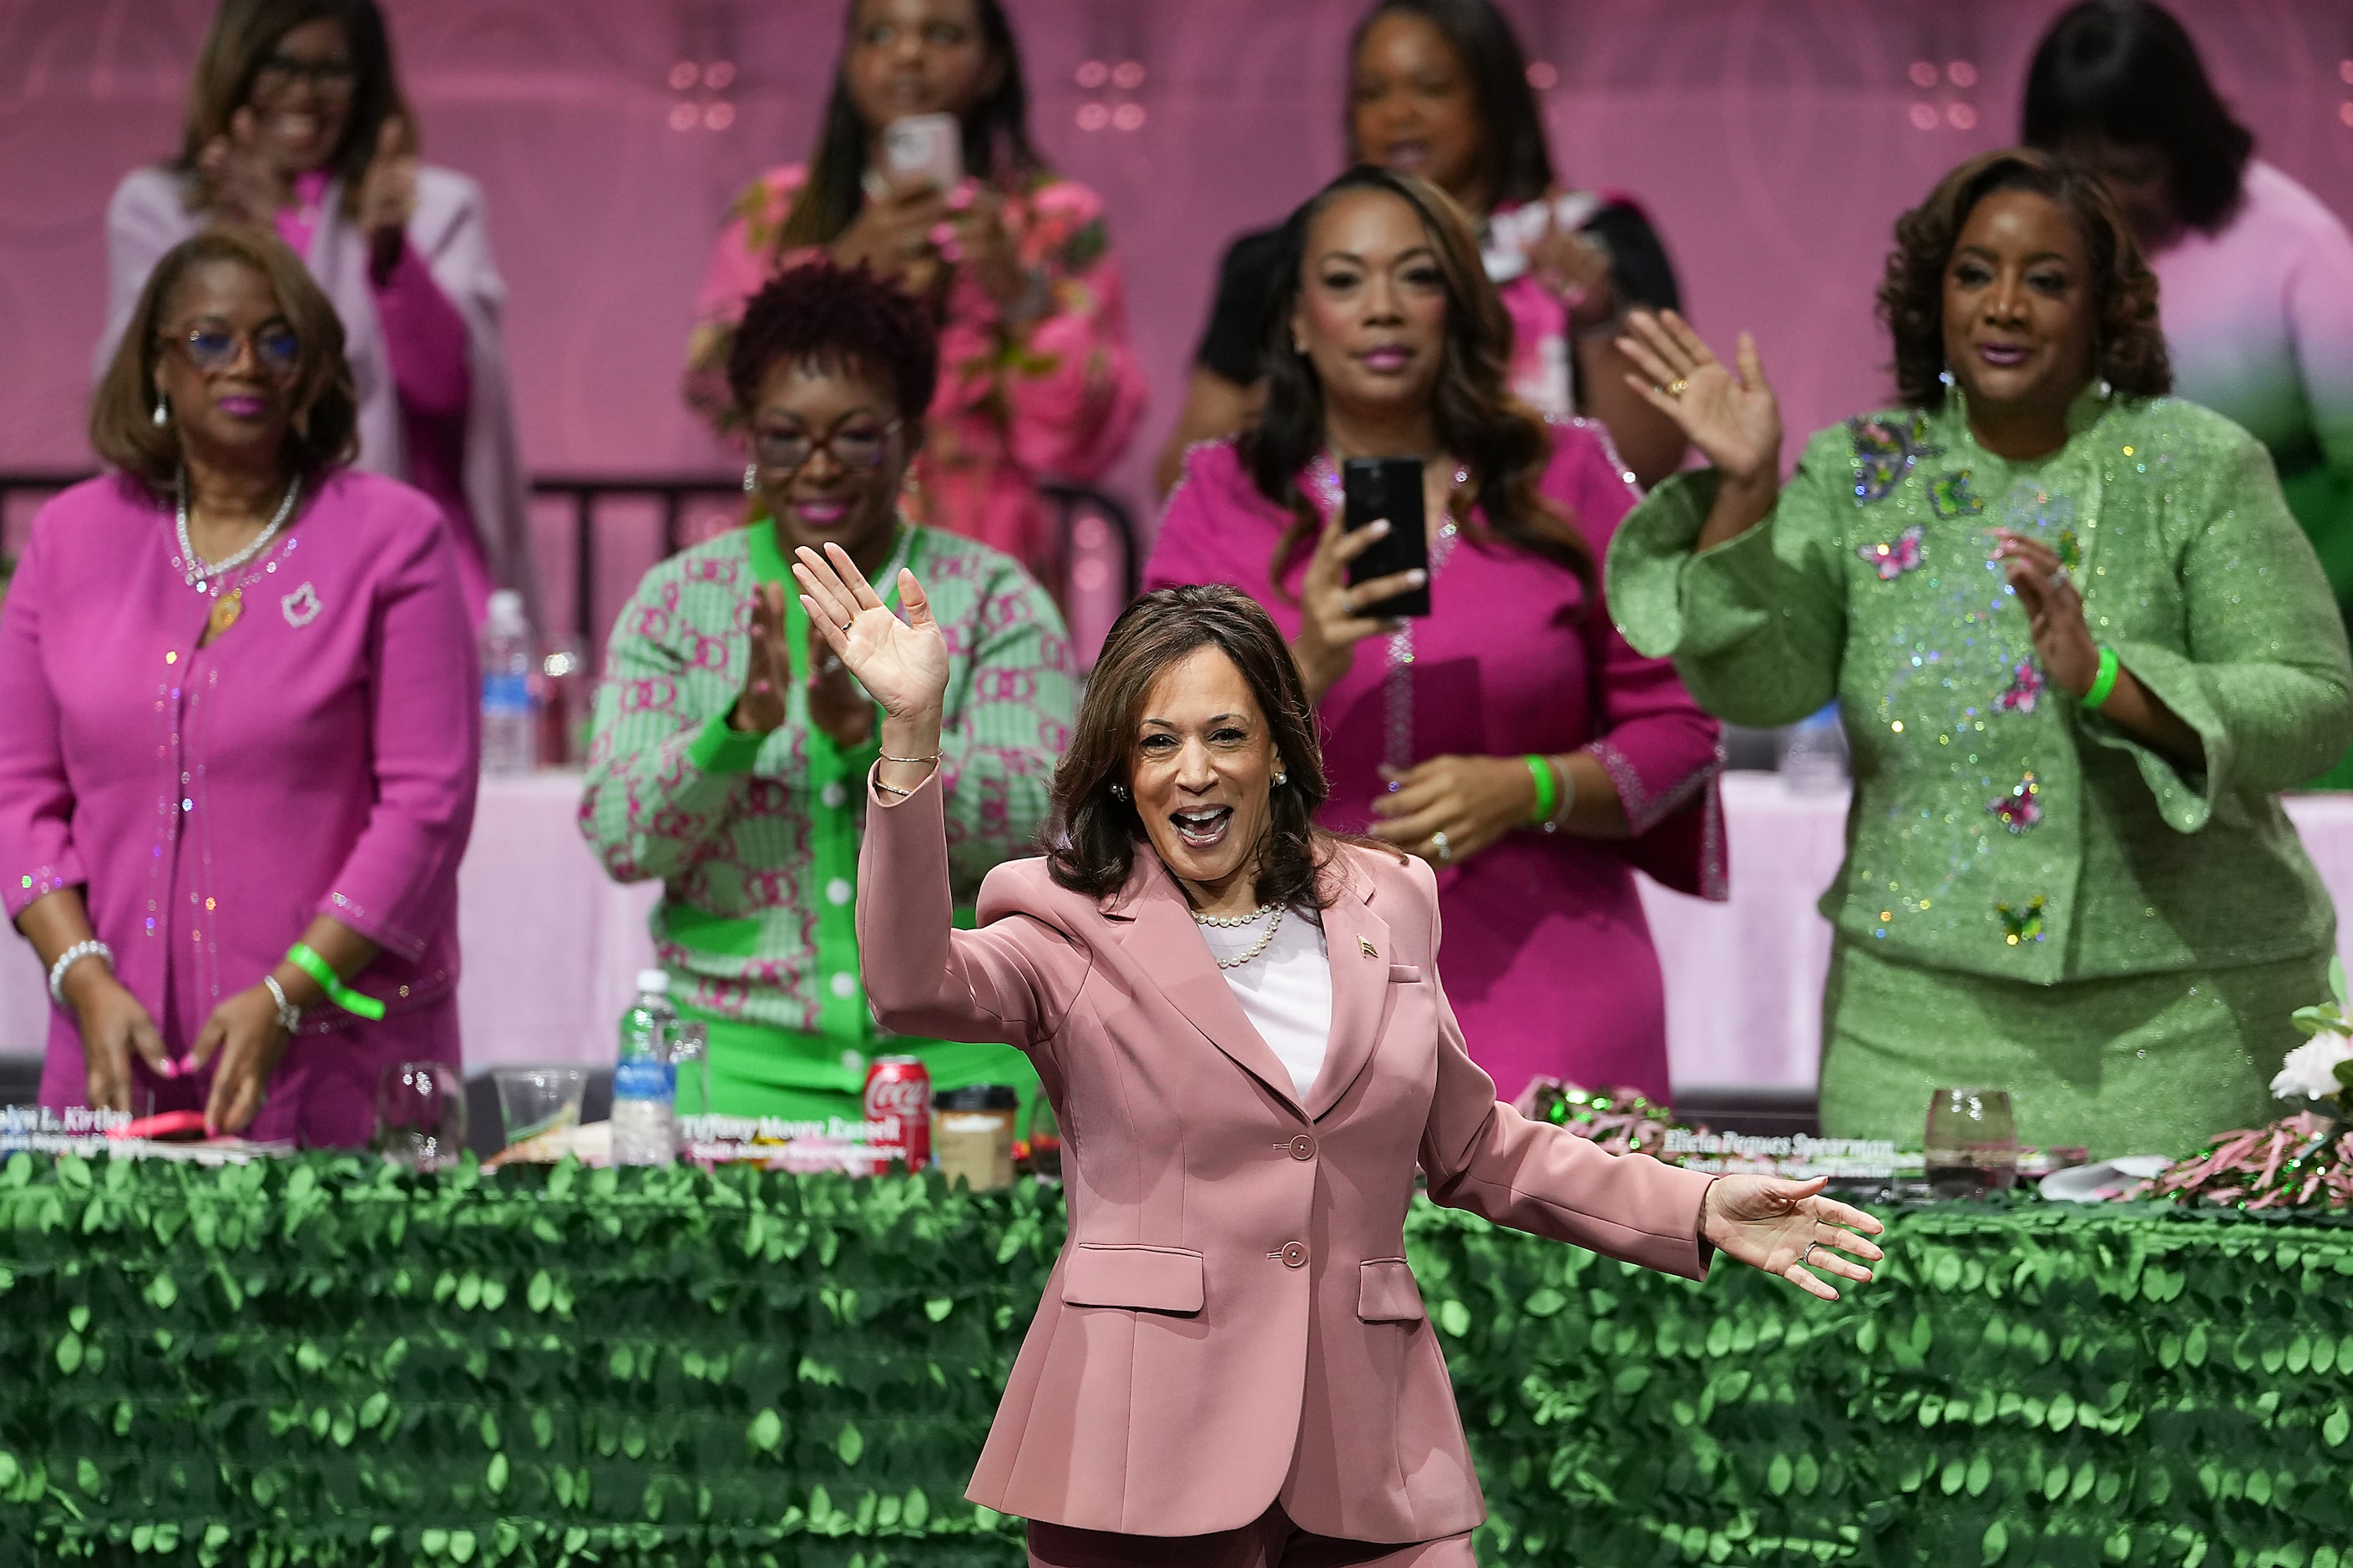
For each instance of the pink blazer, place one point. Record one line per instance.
(1232, 1321)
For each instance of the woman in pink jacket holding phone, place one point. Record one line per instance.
(1239, 1018)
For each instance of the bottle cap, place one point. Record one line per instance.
(654, 981)
(503, 614)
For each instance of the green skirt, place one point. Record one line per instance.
(756, 1070)
(2137, 1064)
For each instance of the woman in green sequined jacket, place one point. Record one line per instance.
(2079, 646)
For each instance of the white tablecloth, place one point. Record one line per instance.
(553, 946)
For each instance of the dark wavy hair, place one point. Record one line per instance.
(1518, 163)
(1094, 848)
(2127, 71)
(2128, 347)
(325, 428)
(996, 138)
(242, 37)
(829, 314)
(1501, 441)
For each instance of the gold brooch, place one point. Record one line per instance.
(1370, 951)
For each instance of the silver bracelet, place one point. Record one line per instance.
(68, 958)
(290, 1017)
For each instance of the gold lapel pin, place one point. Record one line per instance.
(1367, 943)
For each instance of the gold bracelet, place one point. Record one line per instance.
(912, 761)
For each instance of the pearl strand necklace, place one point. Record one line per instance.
(199, 575)
(1265, 939)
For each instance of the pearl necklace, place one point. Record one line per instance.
(1266, 938)
(200, 577)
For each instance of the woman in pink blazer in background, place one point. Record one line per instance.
(1239, 1018)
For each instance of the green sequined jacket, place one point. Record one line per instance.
(1997, 827)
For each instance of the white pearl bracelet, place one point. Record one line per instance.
(70, 957)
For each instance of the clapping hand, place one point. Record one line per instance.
(1789, 1229)
(386, 195)
(2054, 606)
(241, 183)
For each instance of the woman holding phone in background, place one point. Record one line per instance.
(1510, 738)
(1035, 376)
(1439, 90)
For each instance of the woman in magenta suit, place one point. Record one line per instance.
(1239, 1019)
(1511, 738)
(240, 715)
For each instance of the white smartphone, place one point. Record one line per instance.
(928, 145)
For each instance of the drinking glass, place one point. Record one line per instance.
(420, 1115)
(535, 1101)
(1972, 1142)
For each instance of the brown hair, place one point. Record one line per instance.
(1093, 852)
(242, 36)
(326, 409)
(2127, 346)
(1501, 441)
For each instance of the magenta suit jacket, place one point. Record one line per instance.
(1232, 1321)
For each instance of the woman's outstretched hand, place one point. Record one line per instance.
(903, 665)
(1789, 1229)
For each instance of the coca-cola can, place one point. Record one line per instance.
(899, 1089)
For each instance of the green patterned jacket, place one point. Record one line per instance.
(732, 824)
(1999, 828)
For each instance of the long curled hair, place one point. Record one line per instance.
(1092, 849)
(1500, 440)
(996, 138)
(2127, 346)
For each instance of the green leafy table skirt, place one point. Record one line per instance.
(322, 1362)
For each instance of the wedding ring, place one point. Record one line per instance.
(1807, 1257)
(1445, 850)
(1675, 387)
(847, 625)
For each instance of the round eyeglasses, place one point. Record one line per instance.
(210, 348)
(859, 447)
(333, 77)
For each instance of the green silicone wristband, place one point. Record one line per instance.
(2104, 682)
(1548, 791)
(306, 959)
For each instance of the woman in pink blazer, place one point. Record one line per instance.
(1239, 1019)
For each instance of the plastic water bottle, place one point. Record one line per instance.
(645, 1080)
(1814, 754)
(510, 736)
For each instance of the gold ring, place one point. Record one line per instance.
(1675, 387)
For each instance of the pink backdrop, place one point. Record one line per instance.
(1774, 141)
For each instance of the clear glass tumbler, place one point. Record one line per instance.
(1972, 1142)
(535, 1102)
(420, 1115)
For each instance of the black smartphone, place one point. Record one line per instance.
(1389, 488)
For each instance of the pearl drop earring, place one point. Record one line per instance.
(751, 478)
(163, 412)
(1119, 792)
(1282, 779)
